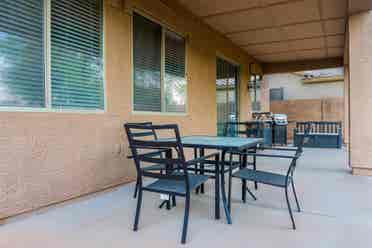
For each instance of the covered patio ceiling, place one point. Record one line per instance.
(281, 30)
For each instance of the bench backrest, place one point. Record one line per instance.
(319, 126)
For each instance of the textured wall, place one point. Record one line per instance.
(329, 109)
(360, 91)
(50, 157)
(294, 88)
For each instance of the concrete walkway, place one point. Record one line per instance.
(337, 212)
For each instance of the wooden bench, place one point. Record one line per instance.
(322, 134)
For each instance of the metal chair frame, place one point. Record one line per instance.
(264, 177)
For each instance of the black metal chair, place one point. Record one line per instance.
(273, 179)
(177, 181)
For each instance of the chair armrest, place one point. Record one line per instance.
(201, 159)
(278, 148)
(267, 155)
(150, 154)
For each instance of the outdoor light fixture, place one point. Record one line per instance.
(254, 86)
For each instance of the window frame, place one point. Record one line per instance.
(164, 28)
(47, 67)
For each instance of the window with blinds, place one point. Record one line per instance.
(76, 54)
(174, 77)
(159, 61)
(147, 42)
(68, 69)
(22, 70)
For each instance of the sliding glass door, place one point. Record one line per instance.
(227, 94)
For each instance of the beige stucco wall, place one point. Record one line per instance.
(49, 157)
(360, 90)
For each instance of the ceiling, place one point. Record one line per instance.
(356, 6)
(278, 30)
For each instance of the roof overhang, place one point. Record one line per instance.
(275, 31)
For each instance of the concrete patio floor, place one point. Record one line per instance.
(337, 212)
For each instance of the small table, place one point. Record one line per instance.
(223, 144)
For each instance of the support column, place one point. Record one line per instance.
(360, 90)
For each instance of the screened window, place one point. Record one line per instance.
(58, 67)
(159, 59)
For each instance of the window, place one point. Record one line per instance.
(51, 54)
(22, 53)
(276, 94)
(159, 60)
(76, 55)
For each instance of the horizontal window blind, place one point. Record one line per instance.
(76, 54)
(174, 78)
(147, 42)
(22, 70)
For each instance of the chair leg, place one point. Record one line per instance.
(295, 195)
(136, 190)
(229, 191)
(254, 168)
(252, 195)
(138, 210)
(174, 201)
(185, 219)
(290, 209)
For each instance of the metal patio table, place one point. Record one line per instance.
(225, 145)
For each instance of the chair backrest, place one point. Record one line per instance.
(143, 133)
(148, 151)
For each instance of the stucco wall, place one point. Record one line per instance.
(295, 89)
(49, 157)
(360, 91)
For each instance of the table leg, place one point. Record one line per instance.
(196, 168)
(244, 182)
(227, 212)
(168, 170)
(217, 188)
(202, 153)
(230, 182)
(254, 168)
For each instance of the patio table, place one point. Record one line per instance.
(223, 144)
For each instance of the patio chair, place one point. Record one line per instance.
(274, 179)
(176, 181)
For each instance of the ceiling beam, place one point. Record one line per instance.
(289, 40)
(285, 25)
(294, 66)
(357, 6)
(231, 12)
(295, 50)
